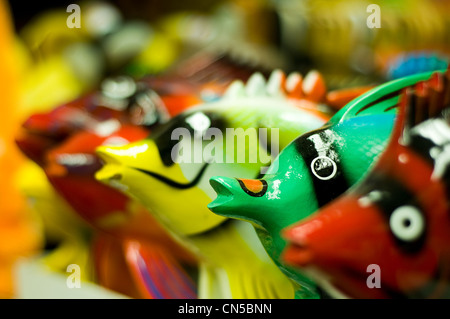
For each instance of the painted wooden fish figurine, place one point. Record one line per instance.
(63, 142)
(143, 102)
(175, 187)
(397, 219)
(408, 63)
(314, 169)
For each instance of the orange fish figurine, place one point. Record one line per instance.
(19, 236)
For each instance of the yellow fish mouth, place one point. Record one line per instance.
(111, 174)
(112, 171)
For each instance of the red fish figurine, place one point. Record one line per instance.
(395, 224)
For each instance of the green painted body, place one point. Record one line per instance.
(353, 139)
(233, 262)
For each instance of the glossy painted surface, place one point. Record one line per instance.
(313, 170)
(397, 218)
(70, 169)
(178, 192)
(63, 140)
(63, 143)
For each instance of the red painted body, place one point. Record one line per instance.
(355, 231)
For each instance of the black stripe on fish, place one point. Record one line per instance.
(429, 149)
(392, 107)
(381, 99)
(173, 183)
(437, 287)
(162, 135)
(389, 194)
(446, 180)
(323, 164)
(212, 232)
(422, 146)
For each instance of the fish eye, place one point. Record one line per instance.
(323, 168)
(144, 111)
(407, 223)
(120, 87)
(199, 122)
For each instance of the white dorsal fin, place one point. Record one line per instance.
(256, 85)
(235, 90)
(314, 86)
(278, 85)
(275, 83)
(294, 84)
(310, 81)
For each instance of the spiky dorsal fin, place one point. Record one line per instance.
(426, 100)
(312, 87)
(382, 99)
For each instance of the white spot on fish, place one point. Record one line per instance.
(276, 191)
(442, 160)
(403, 158)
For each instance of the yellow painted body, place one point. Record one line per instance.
(59, 223)
(158, 196)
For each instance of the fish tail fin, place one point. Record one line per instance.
(264, 283)
(158, 274)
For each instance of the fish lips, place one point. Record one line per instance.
(225, 197)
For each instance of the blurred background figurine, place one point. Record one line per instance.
(20, 236)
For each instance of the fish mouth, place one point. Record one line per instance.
(224, 195)
(300, 256)
(80, 164)
(113, 160)
(34, 145)
(170, 182)
(112, 175)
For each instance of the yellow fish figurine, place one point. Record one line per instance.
(173, 182)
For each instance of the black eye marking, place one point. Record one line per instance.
(162, 135)
(407, 223)
(322, 160)
(261, 193)
(146, 108)
(403, 214)
(324, 168)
